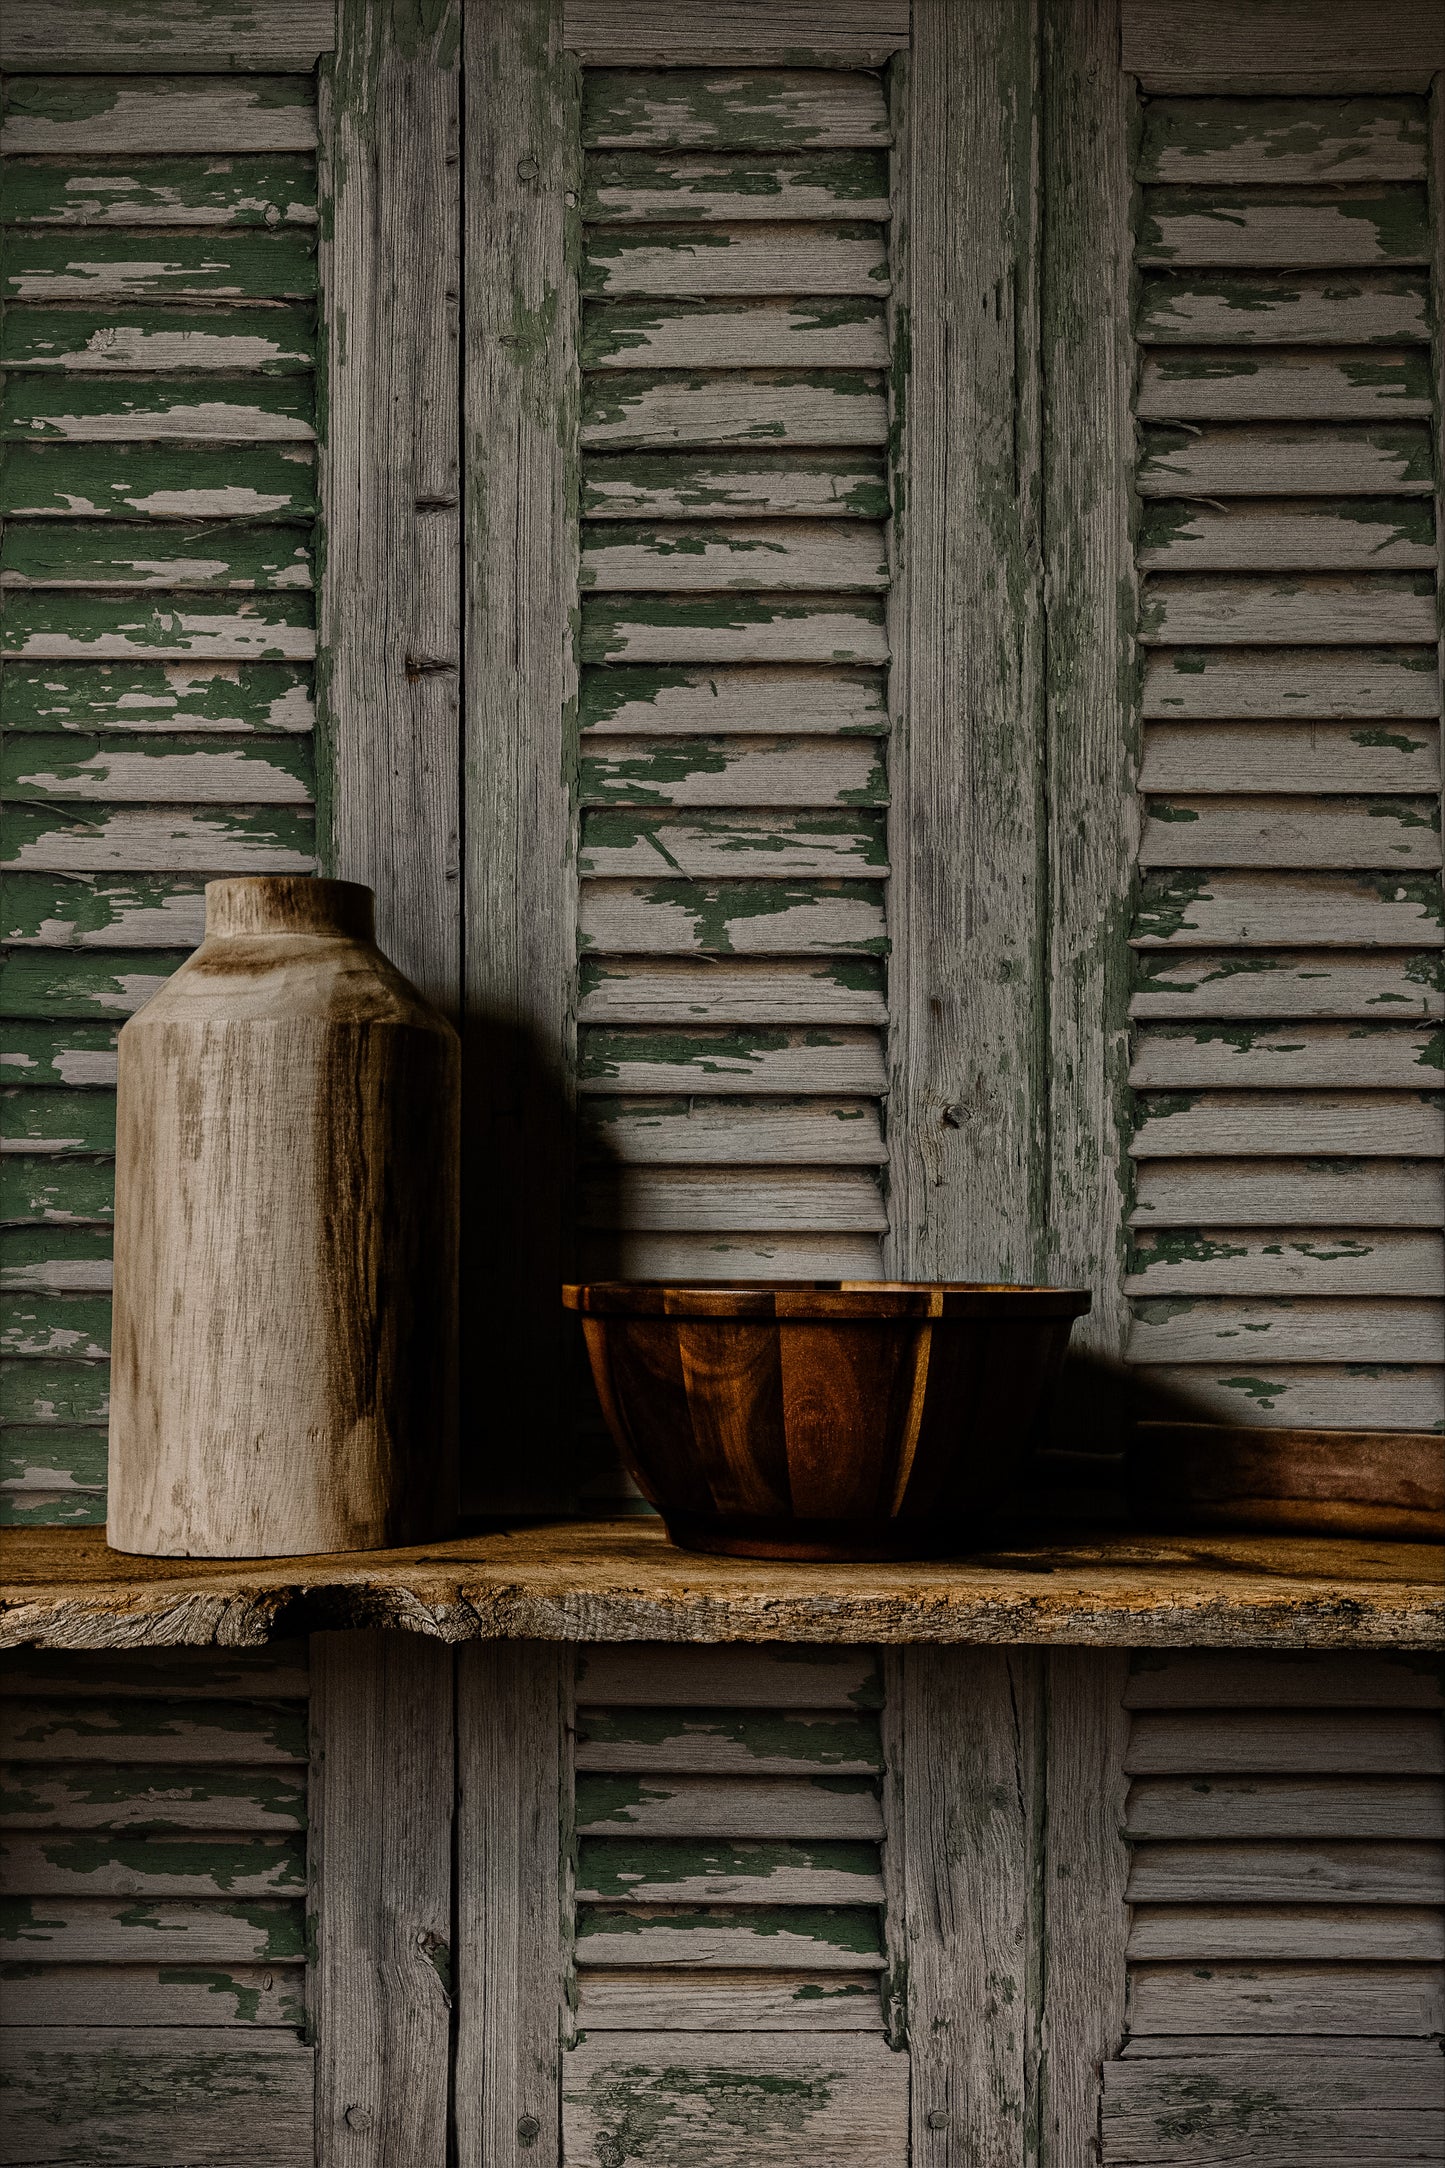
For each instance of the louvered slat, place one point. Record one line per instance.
(158, 633)
(734, 563)
(1288, 554)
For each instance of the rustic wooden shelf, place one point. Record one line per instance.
(620, 1580)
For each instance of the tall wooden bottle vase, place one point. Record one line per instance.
(284, 1371)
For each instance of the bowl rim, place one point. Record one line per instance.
(803, 1301)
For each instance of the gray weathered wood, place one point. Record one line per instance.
(1295, 46)
(521, 584)
(722, 2100)
(391, 623)
(1304, 1933)
(267, 1998)
(636, 32)
(1297, 757)
(663, 2002)
(1399, 1808)
(513, 1715)
(689, 1806)
(1085, 1869)
(1352, 1330)
(1336, 1998)
(214, 114)
(1289, 1874)
(152, 37)
(1298, 1193)
(381, 1838)
(1289, 385)
(836, 109)
(1373, 1742)
(1290, 2107)
(1287, 1260)
(658, 1676)
(966, 1056)
(154, 2097)
(1300, 982)
(1211, 1679)
(640, 1132)
(1092, 731)
(966, 1731)
(1234, 140)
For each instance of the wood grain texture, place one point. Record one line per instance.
(513, 1837)
(967, 842)
(1260, 1808)
(312, 1060)
(963, 1861)
(1092, 725)
(636, 32)
(1339, 2000)
(149, 2097)
(382, 1778)
(209, 113)
(1295, 46)
(853, 1423)
(391, 630)
(1085, 1871)
(164, 36)
(619, 1580)
(739, 2100)
(521, 587)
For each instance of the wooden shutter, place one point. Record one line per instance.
(156, 691)
(732, 652)
(1287, 1034)
(1288, 1923)
(154, 1865)
(730, 1941)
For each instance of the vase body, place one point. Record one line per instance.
(284, 1355)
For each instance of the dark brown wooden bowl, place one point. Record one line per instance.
(824, 1421)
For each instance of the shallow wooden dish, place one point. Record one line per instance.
(824, 1420)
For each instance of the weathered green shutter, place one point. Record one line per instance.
(1287, 1040)
(153, 1986)
(733, 709)
(730, 1951)
(1288, 1915)
(156, 693)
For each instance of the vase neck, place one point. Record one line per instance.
(290, 903)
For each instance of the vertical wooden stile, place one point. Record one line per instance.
(961, 1868)
(1085, 1919)
(966, 916)
(513, 1724)
(1437, 227)
(391, 630)
(1091, 700)
(521, 587)
(382, 1775)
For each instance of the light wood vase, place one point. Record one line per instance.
(284, 1368)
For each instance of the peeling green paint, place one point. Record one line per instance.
(279, 341)
(761, 1736)
(674, 184)
(853, 1929)
(751, 109)
(614, 1867)
(158, 481)
(230, 189)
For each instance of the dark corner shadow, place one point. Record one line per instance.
(532, 1435)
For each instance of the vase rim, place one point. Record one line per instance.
(261, 905)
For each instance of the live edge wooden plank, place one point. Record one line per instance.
(621, 1581)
